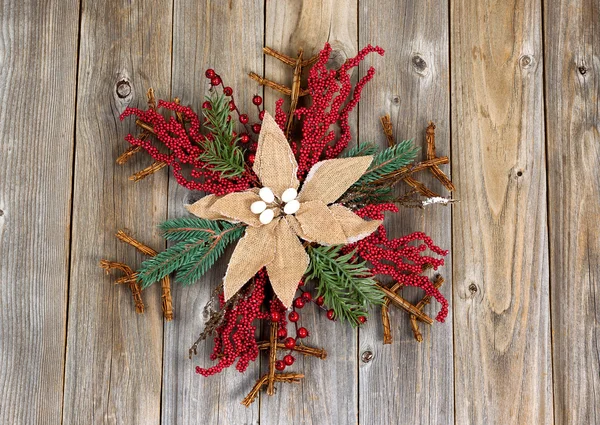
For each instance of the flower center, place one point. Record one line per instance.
(288, 199)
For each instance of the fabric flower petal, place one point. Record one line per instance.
(289, 265)
(319, 225)
(328, 180)
(236, 207)
(253, 251)
(355, 228)
(202, 208)
(274, 163)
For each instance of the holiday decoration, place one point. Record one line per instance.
(306, 215)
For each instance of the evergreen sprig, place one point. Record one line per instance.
(201, 243)
(343, 282)
(389, 160)
(362, 149)
(222, 153)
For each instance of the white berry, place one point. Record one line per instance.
(289, 195)
(291, 207)
(266, 216)
(266, 195)
(258, 207)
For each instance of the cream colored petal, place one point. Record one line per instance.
(355, 228)
(275, 164)
(319, 225)
(289, 265)
(295, 226)
(236, 207)
(254, 251)
(202, 208)
(328, 180)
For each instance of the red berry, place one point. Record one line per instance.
(293, 316)
(289, 343)
(330, 314)
(298, 303)
(210, 73)
(244, 119)
(306, 297)
(288, 359)
(362, 319)
(320, 301)
(261, 115)
(231, 105)
(215, 81)
(251, 158)
(302, 333)
(227, 91)
(257, 100)
(228, 118)
(206, 105)
(256, 128)
(281, 333)
(279, 365)
(244, 138)
(275, 316)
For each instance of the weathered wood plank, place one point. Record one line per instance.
(501, 282)
(407, 379)
(328, 393)
(225, 36)
(37, 90)
(572, 67)
(114, 356)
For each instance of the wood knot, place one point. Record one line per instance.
(366, 356)
(419, 64)
(473, 288)
(1, 213)
(519, 173)
(396, 100)
(123, 89)
(582, 70)
(526, 61)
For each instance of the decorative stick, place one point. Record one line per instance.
(420, 187)
(167, 301)
(302, 349)
(272, 358)
(385, 322)
(420, 305)
(136, 291)
(151, 169)
(435, 170)
(402, 303)
(279, 377)
(386, 123)
(275, 86)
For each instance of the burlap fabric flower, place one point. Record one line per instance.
(277, 215)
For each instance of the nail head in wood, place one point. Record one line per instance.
(473, 288)
(526, 61)
(366, 356)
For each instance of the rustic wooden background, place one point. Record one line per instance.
(513, 88)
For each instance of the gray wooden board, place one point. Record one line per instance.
(503, 369)
(114, 356)
(409, 380)
(227, 37)
(37, 92)
(328, 393)
(572, 65)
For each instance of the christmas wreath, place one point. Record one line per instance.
(304, 212)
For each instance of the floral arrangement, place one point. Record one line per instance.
(306, 215)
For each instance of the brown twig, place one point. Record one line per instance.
(435, 170)
(402, 303)
(279, 377)
(136, 291)
(420, 305)
(125, 156)
(386, 123)
(151, 169)
(272, 358)
(167, 301)
(385, 322)
(302, 349)
(420, 187)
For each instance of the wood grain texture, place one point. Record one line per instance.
(114, 356)
(503, 369)
(328, 393)
(407, 379)
(572, 60)
(225, 36)
(38, 60)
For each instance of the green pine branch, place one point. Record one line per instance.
(388, 161)
(222, 153)
(343, 283)
(362, 149)
(201, 243)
